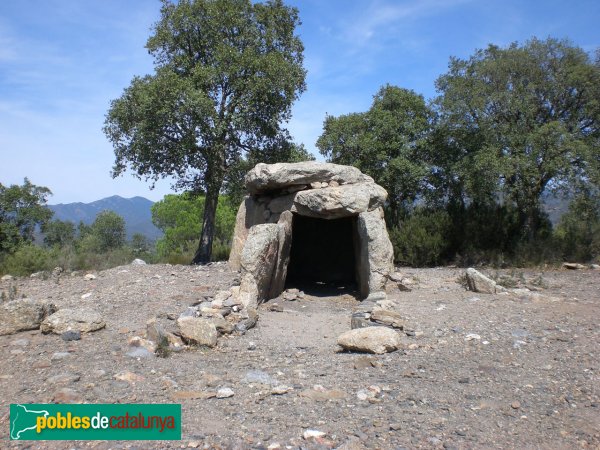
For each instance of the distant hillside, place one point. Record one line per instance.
(135, 211)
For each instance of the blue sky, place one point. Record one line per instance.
(62, 61)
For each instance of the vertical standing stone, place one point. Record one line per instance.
(284, 237)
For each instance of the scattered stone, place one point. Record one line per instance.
(57, 356)
(364, 362)
(573, 266)
(64, 378)
(198, 331)
(472, 336)
(281, 389)
(84, 320)
(138, 262)
(7, 278)
(86, 295)
(130, 377)
(23, 314)
(320, 394)
(251, 346)
(372, 394)
(515, 405)
(477, 282)
(71, 335)
(20, 342)
(222, 325)
(260, 377)
(248, 322)
(313, 434)
(275, 307)
(386, 317)
(225, 393)
(89, 276)
(67, 395)
(192, 395)
(370, 340)
(595, 266)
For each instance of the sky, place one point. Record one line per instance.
(63, 61)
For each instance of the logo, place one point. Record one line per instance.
(95, 422)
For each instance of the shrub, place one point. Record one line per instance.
(422, 238)
(27, 259)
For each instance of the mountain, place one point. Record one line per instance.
(135, 211)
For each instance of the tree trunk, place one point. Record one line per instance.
(204, 251)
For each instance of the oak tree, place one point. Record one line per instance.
(226, 75)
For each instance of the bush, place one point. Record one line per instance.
(578, 232)
(422, 238)
(27, 259)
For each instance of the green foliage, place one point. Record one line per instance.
(22, 208)
(385, 142)
(514, 122)
(27, 259)
(422, 238)
(227, 73)
(58, 232)
(107, 232)
(578, 233)
(178, 216)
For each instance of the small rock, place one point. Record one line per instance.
(67, 395)
(138, 262)
(7, 278)
(260, 377)
(89, 276)
(59, 355)
(386, 317)
(472, 336)
(515, 405)
(371, 340)
(198, 331)
(64, 378)
(281, 389)
(573, 266)
(86, 295)
(71, 335)
(313, 434)
(84, 320)
(276, 307)
(130, 377)
(225, 393)
(251, 346)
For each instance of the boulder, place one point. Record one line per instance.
(250, 213)
(260, 255)
(370, 340)
(573, 266)
(337, 202)
(386, 317)
(84, 320)
(478, 282)
(284, 242)
(23, 314)
(375, 256)
(270, 177)
(198, 331)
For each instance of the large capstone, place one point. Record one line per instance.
(318, 221)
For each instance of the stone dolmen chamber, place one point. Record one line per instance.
(309, 221)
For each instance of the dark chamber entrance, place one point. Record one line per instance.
(322, 252)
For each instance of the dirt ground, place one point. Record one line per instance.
(476, 370)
